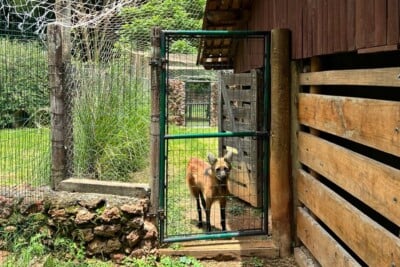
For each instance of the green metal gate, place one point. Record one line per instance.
(239, 123)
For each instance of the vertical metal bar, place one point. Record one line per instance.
(163, 84)
(266, 126)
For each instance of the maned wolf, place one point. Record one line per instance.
(208, 183)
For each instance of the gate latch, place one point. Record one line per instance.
(158, 62)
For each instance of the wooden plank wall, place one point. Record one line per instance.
(348, 176)
(321, 27)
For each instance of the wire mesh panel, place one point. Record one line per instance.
(203, 161)
(24, 112)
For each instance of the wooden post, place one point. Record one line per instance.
(57, 105)
(280, 166)
(59, 54)
(155, 120)
(63, 17)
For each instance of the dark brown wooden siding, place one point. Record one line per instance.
(322, 27)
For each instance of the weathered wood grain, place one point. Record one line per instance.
(373, 123)
(280, 141)
(370, 241)
(323, 247)
(363, 77)
(374, 183)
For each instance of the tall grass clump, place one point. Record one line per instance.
(111, 122)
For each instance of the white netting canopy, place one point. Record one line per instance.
(126, 20)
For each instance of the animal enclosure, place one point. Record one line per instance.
(240, 130)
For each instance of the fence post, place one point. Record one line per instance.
(280, 165)
(63, 17)
(155, 120)
(57, 105)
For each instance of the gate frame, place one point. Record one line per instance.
(160, 63)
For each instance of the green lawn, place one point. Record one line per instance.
(179, 201)
(25, 156)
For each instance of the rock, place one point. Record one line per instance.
(58, 215)
(83, 216)
(137, 253)
(112, 245)
(107, 230)
(110, 214)
(150, 230)
(136, 223)
(6, 212)
(98, 246)
(118, 258)
(10, 229)
(29, 206)
(93, 203)
(132, 209)
(133, 239)
(83, 234)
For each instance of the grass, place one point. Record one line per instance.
(111, 123)
(179, 152)
(25, 156)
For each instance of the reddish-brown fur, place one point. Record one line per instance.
(208, 183)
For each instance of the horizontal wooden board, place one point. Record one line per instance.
(303, 257)
(374, 183)
(225, 249)
(363, 77)
(321, 245)
(370, 241)
(373, 123)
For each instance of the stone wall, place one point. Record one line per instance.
(109, 226)
(176, 102)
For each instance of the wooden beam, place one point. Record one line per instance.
(280, 186)
(371, 242)
(321, 245)
(303, 257)
(374, 183)
(365, 77)
(139, 191)
(225, 249)
(57, 105)
(373, 123)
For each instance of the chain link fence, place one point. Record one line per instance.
(24, 111)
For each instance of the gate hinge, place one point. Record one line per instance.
(158, 62)
(160, 214)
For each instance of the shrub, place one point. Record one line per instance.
(24, 92)
(111, 122)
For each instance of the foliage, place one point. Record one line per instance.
(164, 261)
(111, 123)
(183, 46)
(168, 14)
(24, 92)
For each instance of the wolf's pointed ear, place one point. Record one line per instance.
(211, 158)
(228, 156)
